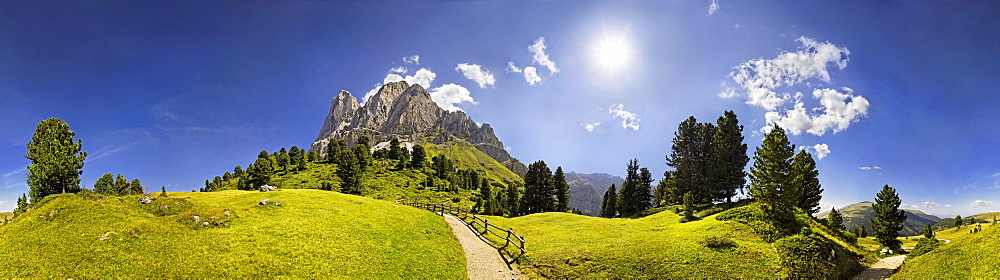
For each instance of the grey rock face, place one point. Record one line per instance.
(407, 112)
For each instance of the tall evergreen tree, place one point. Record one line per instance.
(313, 156)
(105, 184)
(513, 198)
(689, 206)
(283, 159)
(928, 231)
(259, 173)
(888, 220)
(769, 175)
(645, 194)
(835, 220)
(562, 190)
(728, 158)
(635, 193)
(349, 171)
(334, 148)
(56, 161)
(958, 221)
(805, 183)
(609, 208)
(22, 204)
(121, 185)
(683, 157)
(539, 194)
(135, 187)
(363, 155)
(419, 157)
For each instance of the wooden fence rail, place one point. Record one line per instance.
(482, 227)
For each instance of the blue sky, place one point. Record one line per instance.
(173, 93)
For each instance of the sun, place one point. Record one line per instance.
(612, 52)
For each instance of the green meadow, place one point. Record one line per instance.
(311, 234)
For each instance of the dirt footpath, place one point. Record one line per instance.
(881, 269)
(482, 260)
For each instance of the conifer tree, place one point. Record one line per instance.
(728, 158)
(888, 218)
(562, 190)
(805, 189)
(121, 185)
(313, 156)
(958, 221)
(22, 204)
(363, 155)
(513, 197)
(56, 161)
(609, 208)
(349, 171)
(928, 231)
(539, 194)
(835, 220)
(630, 195)
(334, 148)
(105, 184)
(135, 187)
(769, 175)
(259, 173)
(689, 206)
(683, 157)
(419, 157)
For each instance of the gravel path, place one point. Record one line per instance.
(881, 269)
(482, 260)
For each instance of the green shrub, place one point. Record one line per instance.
(805, 255)
(924, 245)
(709, 212)
(718, 242)
(848, 236)
(769, 228)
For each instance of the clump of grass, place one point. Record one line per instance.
(718, 242)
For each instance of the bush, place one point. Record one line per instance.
(768, 227)
(924, 246)
(718, 242)
(708, 212)
(850, 237)
(805, 255)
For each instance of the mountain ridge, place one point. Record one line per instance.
(860, 214)
(408, 113)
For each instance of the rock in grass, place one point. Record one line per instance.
(145, 200)
(264, 202)
(267, 188)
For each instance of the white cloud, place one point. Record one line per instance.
(980, 203)
(476, 73)
(540, 57)
(838, 111)
(825, 205)
(821, 150)
(446, 96)
(590, 126)
(870, 167)
(531, 75)
(629, 120)
(728, 92)
(14, 178)
(511, 68)
(908, 206)
(947, 205)
(400, 70)
(930, 204)
(714, 7)
(761, 79)
(415, 59)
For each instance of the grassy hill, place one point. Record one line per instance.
(6, 215)
(988, 216)
(968, 256)
(861, 213)
(312, 234)
(658, 246)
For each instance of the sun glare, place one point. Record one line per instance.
(612, 53)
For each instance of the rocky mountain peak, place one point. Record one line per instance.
(408, 113)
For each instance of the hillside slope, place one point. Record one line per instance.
(312, 234)
(971, 256)
(861, 213)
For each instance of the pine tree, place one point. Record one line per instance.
(263, 154)
(644, 195)
(609, 208)
(513, 197)
(135, 187)
(349, 171)
(888, 218)
(313, 156)
(805, 183)
(928, 231)
(835, 220)
(562, 190)
(363, 155)
(105, 184)
(419, 157)
(56, 161)
(539, 193)
(22, 204)
(259, 173)
(631, 194)
(860, 232)
(334, 148)
(121, 185)
(728, 158)
(769, 175)
(283, 159)
(958, 221)
(683, 157)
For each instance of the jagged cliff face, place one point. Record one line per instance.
(408, 113)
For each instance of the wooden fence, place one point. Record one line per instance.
(483, 228)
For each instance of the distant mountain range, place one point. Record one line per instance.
(861, 213)
(586, 191)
